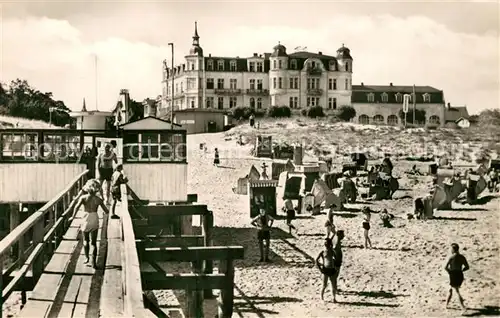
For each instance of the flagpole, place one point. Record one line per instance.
(414, 103)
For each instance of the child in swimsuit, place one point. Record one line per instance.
(330, 227)
(456, 266)
(327, 267)
(116, 181)
(366, 226)
(338, 257)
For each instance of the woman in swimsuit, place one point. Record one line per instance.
(216, 157)
(90, 226)
(366, 226)
(327, 267)
(330, 227)
(337, 260)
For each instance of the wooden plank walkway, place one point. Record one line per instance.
(70, 288)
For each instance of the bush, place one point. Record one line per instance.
(241, 112)
(279, 111)
(346, 113)
(313, 112)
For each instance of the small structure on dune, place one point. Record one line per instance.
(242, 186)
(262, 194)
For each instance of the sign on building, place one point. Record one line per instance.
(406, 102)
(187, 122)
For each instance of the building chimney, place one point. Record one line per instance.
(255, 55)
(209, 54)
(390, 84)
(362, 84)
(449, 106)
(320, 53)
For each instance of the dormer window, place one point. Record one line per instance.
(385, 97)
(371, 97)
(399, 98)
(332, 66)
(427, 98)
(232, 66)
(220, 65)
(274, 65)
(293, 64)
(192, 66)
(210, 65)
(313, 64)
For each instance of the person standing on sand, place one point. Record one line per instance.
(326, 266)
(216, 158)
(338, 257)
(366, 226)
(90, 227)
(290, 214)
(456, 266)
(263, 222)
(330, 227)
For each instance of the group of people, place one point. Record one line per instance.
(329, 260)
(91, 197)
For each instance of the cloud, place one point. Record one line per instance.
(55, 56)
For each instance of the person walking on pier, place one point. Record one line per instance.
(263, 222)
(105, 166)
(116, 181)
(90, 226)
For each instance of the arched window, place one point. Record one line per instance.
(378, 119)
(210, 65)
(252, 102)
(392, 120)
(363, 119)
(434, 120)
(385, 97)
(259, 103)
(347, 67)
(399, 98)
(293, 64)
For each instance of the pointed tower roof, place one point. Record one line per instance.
(84, 107)
(196, 48)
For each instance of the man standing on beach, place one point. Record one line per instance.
(263, 222)
(456, 266)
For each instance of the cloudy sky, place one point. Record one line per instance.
(453, 46)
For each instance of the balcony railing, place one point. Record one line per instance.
(314, 71)
(315, 91)
(257, 91)
(227, 91)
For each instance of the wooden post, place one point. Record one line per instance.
(14, 222)
(38, 263)
(227, 293)
(1, 285)
(194, 295)
(208, 224)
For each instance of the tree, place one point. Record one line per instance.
(419, 116)
(22, 100)
(346, 113)
(136, 110)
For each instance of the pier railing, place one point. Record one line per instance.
(31, 244)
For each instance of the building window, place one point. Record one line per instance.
(347, 66)
(210, 65)
(312, 83)
(165, 146)
(210, 83)
(346, 84)
(260, 68)
(363, 119)
(332, 84)
(332, 103)
(371, 97)
(232, 102)
(274, 64)
(434, 120)
(251, 66)
(259, 84)
(427, 98)
(274, 82)
(252, 83)
(220, 83)
(259, 103)
(280, 64)
(385, 97)
(332, 66)
(232, 83)
(313, 64)
(294, 83)
(182, 87)
(220, 102)
(220, 65)
(294, 102)
(252, 102)
(210, 102)
(392, 120)
(280, 82)
(232, 66)
(378, 119)
(192, 66)
(399, 98)
(312, 101)
(293, 64)
(191, 83)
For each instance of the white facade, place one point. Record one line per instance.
(297, 80)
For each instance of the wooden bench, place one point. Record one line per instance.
(64, 288)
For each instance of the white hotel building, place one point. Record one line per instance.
(299, 79)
